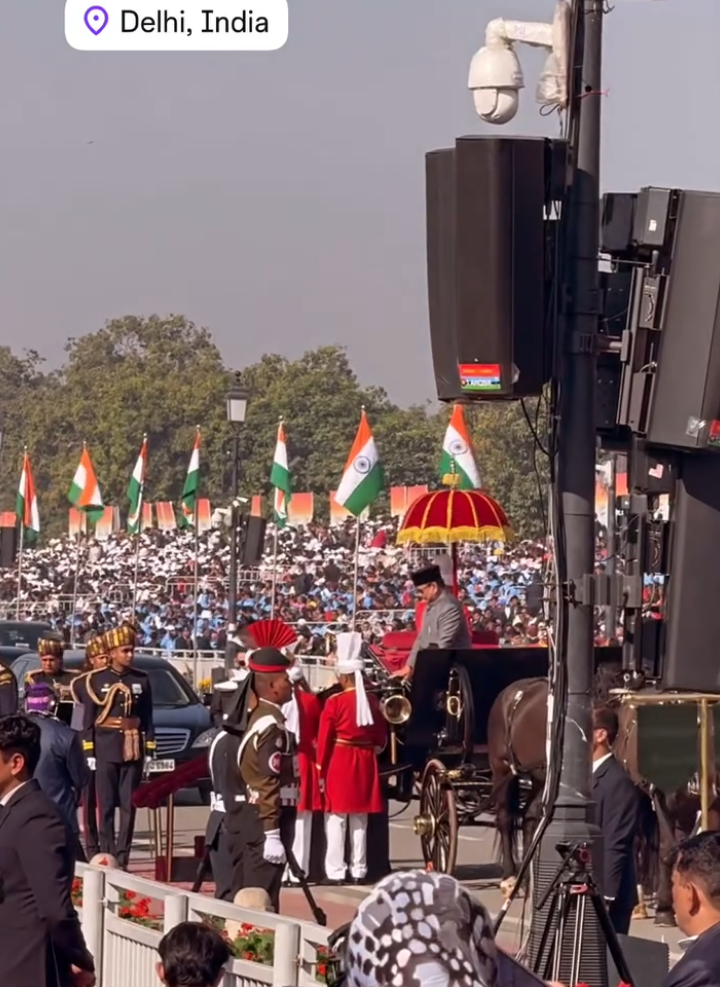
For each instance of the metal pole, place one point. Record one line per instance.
(232, 575)
(611, 611)
(573, 810)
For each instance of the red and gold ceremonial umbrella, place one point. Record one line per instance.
(451, 516)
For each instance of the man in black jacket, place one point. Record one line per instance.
(41, 941)
(696, 899)
(62, 771)
(618, 816)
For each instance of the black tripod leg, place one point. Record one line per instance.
(203, 869)
(612, 939)
(299, 874)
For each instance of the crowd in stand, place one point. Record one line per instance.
(310, 583)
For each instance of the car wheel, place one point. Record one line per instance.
(204, 790)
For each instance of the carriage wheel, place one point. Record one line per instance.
(467, 720)
(437, 823)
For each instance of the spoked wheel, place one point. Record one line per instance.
(467, 716)
(437, 822)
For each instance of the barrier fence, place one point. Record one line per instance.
(124, 937)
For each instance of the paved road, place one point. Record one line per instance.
(476, 869)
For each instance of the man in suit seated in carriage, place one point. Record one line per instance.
(444, 623)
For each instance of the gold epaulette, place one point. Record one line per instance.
(5, 675)
(31, 676)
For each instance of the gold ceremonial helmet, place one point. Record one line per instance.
(123, 636)
(50, 647)
(95, 647)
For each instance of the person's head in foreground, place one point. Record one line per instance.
(192, 955)
(19, 751)
(420, 929)
(696, 883)
(605, 730)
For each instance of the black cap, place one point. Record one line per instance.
(264, 660)
(423, 577)
(269, 661)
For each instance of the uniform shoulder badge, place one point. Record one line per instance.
(275, 763)
(5, 676)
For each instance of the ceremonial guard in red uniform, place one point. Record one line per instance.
(95, 658)
(302, 718)
(352, 734)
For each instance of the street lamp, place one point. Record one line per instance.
(236, 407)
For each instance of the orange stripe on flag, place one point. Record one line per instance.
(361, 440)
(77, 522)
(165, 515)
(301, 508)
(204, 515)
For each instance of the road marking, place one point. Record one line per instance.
(461, 836)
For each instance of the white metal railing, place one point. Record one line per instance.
(125, 952)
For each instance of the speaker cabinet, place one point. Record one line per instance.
(253, 546)
(693, 615)
(8, 547)
(440, 223)
(491, 259)
(686, 380)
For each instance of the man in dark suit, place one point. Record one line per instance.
(618, 817)
(62, 771)
(696, 900)
(41, 941)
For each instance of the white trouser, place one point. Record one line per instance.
(335, 829)
(301, 843)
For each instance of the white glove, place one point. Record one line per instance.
(273, 851)
(92, 763)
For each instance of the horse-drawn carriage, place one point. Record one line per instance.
(439, 751)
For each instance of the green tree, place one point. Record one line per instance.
(156, 376)
(513, 469)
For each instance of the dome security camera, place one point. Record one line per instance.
(495, 80)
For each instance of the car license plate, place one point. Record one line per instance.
(157, 767)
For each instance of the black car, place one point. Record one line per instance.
(179, 717)
(17, 637)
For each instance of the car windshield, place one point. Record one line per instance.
(168, 689)
(22, 635)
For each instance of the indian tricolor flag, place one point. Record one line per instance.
(457, 466)
(192, 483)
(136, 491)
(280, 480)
(26, 506)
(363, 477)
(84, 493)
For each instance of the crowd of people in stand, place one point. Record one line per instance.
(310, 583)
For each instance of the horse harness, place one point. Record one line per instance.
(514, 765)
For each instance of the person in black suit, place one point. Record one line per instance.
(41, 941)
(62, 771)
(696, 900)
(618, 817)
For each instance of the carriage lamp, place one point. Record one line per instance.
(236, 404)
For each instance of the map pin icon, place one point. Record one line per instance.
(96, 19)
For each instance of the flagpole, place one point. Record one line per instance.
(196, 573)
(18, 613)
(76, 581)
(357, 573)
(274, 571)
(141, 502)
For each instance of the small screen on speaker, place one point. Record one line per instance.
(479, 378)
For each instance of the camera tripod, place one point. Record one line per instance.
(573, 890)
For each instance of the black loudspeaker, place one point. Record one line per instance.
(491, 257)
(8, 547)
(501, 191)
(253, 546)
(693, 616)
(534, 596)
(686, 380)
(440, 224)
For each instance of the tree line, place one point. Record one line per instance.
(165, 376)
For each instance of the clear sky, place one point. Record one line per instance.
(278, 198)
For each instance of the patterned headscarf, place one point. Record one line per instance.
(420, 929)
